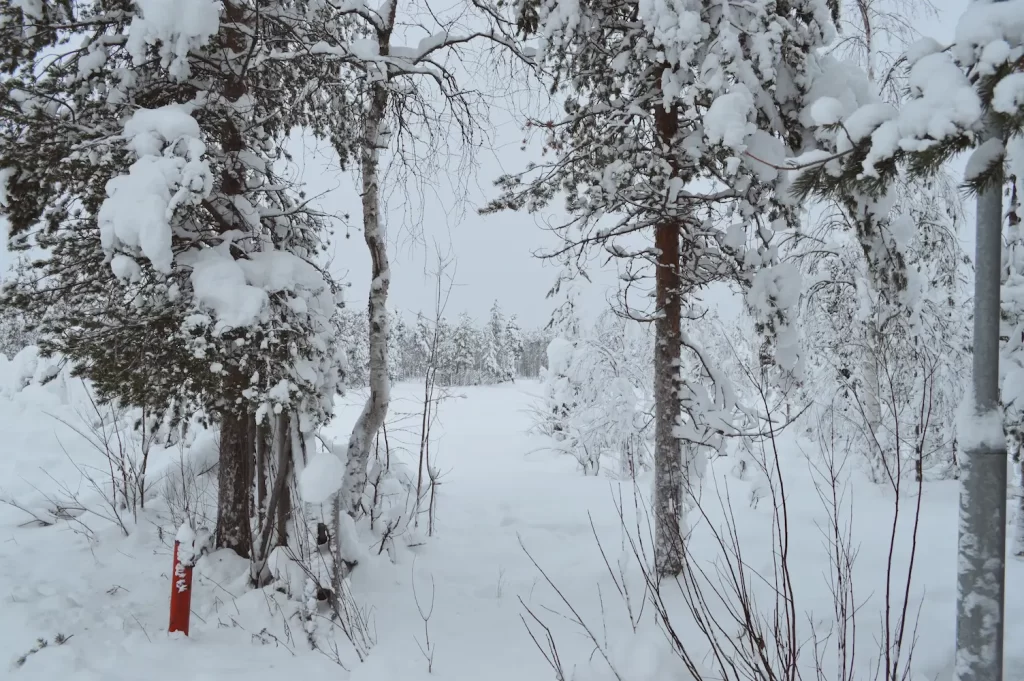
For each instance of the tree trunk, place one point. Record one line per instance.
(262, 445)
(234, 482)
(349, 498)
(668, 463)
(1017, 456)
(280, 507)
(376, 408)
(872, 405)
(1015, 416)
(236, 451)
(982, 537)
(669, 472)
(278, 504)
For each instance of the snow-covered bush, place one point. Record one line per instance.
(560, 389)
(28, 367)
(597, 397)
(189, 485)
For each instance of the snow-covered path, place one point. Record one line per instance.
(501, 488)
(109, 594)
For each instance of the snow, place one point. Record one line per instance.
(275, 271)
(219, 283)
(185, 534)
(922, 48)
(984, 157)
(765, 154)
(175, 27)
(321, 478)
(148, 130)
(864, 120)
(5, 176)
(31, 8)
(827, 111)
(365, 48)
(1008, 95)
(109, 592)
(135, 213)
(237, 291)
(988, 22)
(943, 103)
(125, 268)
(979, 430)
(138, 209)
(727, 120)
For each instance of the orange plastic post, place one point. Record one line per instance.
(181, 594)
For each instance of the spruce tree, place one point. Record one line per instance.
(512, 340)
(465, 348)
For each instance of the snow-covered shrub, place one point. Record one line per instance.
(189, 485)
(597, 397)
(26, 368)
(560, 390)
(15, 334)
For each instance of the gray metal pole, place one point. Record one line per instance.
(982, 538)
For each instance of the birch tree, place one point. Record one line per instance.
(1012, 366)
(406, 95)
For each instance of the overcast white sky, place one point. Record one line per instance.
(494, 254)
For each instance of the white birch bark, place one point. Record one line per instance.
(348, 500)
(376, 407)
(1013, 361)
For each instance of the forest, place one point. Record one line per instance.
(766, 425)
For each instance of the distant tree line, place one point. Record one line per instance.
(468, 352)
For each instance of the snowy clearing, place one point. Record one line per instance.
(109, 594)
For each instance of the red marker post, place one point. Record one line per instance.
(181, 579)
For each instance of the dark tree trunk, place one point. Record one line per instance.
(236, 439)
(235, 484)
(668, 461)
(282, 491)
(262, 446)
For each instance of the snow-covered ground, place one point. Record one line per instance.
(503, 491)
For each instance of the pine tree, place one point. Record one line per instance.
(490, 364)
(354, 335)
(494, 355)
(535, 343)
(396, 347)
(497, 370)
(444, 355)
(144, 168)
(666, 150)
